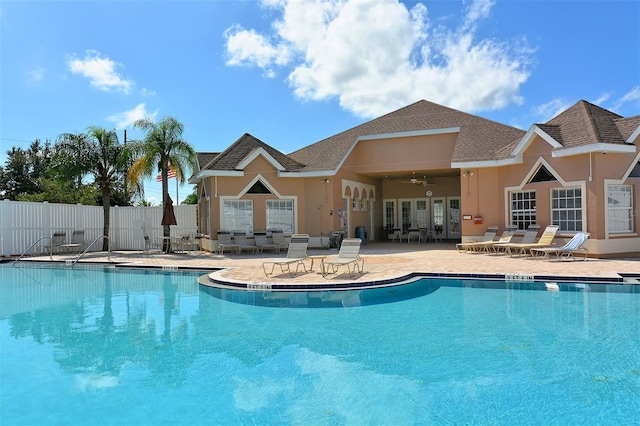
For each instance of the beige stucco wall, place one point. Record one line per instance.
(483, 193)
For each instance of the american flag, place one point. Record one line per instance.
(170, 175)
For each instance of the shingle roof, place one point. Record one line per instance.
(240, 149)
(205, 158)
(585, 123)
(478, 139)
(627, 125)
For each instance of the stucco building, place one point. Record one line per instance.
(429, 167)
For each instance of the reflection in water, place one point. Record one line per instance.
(154, 348)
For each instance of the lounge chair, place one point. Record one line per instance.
(77, 241)
(296, 255)
(546, 239)
(58, 239)
(529, 237)
(573, 246)
(244, 244)
(489, 235)
(485, 246)
(349, 255)
(278, 238)
(225, 242)
(263, 243)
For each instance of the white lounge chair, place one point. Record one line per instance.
(225, 242)
(573, 246)
(296, 255)
(349, 256)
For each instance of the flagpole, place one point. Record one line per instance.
(177, 198)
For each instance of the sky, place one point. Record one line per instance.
(293, 72)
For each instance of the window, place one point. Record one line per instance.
(238, 215)
(523, 209)
(363, 204)
(619, 208)
(566, 208)
(280, 215)
(355, 205)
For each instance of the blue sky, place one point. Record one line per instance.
(294, 72)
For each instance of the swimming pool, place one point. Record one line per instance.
(116, 346)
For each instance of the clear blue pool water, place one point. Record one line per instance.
(101, 347)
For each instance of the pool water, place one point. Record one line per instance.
(113, 346)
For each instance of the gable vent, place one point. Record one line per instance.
(258, 188)
(543, 175)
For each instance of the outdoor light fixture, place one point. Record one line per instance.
(324, 181)
(467, 173)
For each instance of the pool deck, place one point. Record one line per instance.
(383, 261)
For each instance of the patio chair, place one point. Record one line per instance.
(296, 255)
(245, 244)
(489, 235)
(150, 244)
(349, 256)
(57, 240)
(573, 246)
(77, 241)
(263, 243)
(485, 246)
(185, 243)
(529, 237)
(546, 239)
(225, 242)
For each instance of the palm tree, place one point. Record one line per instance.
(98, 153)
(162, 149)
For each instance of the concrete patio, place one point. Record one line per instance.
(382, 261)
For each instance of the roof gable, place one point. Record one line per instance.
(247, 148)
(478, 137)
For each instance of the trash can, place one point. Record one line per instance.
(362, 234)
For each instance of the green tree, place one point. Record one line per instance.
(25, 170)
(97, 153)
(191, 198)
(161, 149)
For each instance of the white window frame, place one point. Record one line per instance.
(237, 215)
(528, 213)
(567, 208)
(618, 215)
(275, 220)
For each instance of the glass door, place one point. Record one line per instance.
(422, 214)
(389, 218)
(406, 214)
(439, 216)
(453, 213)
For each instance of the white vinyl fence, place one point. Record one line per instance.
(23, 223)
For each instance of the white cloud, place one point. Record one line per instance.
(147, 92)
(127, 118)
(102, 72)
(633, 96)
(375, 56)
(551, 109)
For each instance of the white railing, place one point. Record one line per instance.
(23, 223)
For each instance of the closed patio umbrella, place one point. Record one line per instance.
(168, 216)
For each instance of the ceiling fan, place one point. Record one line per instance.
(424, 181)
